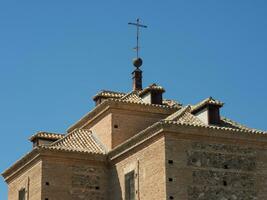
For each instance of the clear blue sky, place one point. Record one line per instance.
(55, 55)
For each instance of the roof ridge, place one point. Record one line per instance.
(143, 103)
(215, 127)
(44, 134)
(178, 113)
(209, 100)
(128, 94)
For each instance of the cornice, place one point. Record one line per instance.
(38, 153)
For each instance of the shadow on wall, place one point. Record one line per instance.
(115, 190)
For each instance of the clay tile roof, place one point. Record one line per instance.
(151, 87)
(207, 101)
(46, 135)
(184, 116)
(132, 97)
(108, 94)
(79, 140)
(225, 122)
(170, 102)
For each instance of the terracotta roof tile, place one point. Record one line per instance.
(225, 122)
(132, 97)
(170, 102)
(185, 117)
(206, 101)
(153, 87)
(253, 131)
(109, 94)
(46, 135)
(79, 140)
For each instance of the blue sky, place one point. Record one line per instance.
(55, 55)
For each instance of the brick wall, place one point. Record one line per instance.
(149, 167)
(209, 169)
(119, 125)
(103, 129)
(30, 179)
(73, 180)
(126, 124)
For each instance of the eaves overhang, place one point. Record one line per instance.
(40, 152)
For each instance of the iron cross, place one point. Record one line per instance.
(138, 26)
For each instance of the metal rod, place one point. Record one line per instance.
(138, 25)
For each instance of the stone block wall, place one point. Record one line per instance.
(222, 171)
(212, 170)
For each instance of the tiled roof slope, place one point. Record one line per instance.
(79, 140)
(153, 87)
(184, 116)
(132, 97)
(206, 101)
(135, 96)
(109, 94)
(46, 135)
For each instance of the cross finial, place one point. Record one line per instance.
(138, 26)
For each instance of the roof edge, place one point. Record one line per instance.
(165, 125)
(46, 135)
(19, 164)
(115, 103)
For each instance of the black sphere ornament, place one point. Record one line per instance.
(137, 62)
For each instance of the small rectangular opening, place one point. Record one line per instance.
(22, 193)
(170, 162)
(129, 186)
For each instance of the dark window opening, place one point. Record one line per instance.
(171, 197)
(225, 166)
(47, 183)
(116, 126)
(97, 187)
(224, 183)
(22, 195)
(46, 198)
(170, 161)
(129, 186)
(170, 179)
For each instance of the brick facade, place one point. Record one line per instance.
(172, 153)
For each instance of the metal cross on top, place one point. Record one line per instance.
(138, 26)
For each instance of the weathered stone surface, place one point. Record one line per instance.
(86, 183)
(223, 179)
(221, 161)
(219, 193)
(222, 148)
(225, 172)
